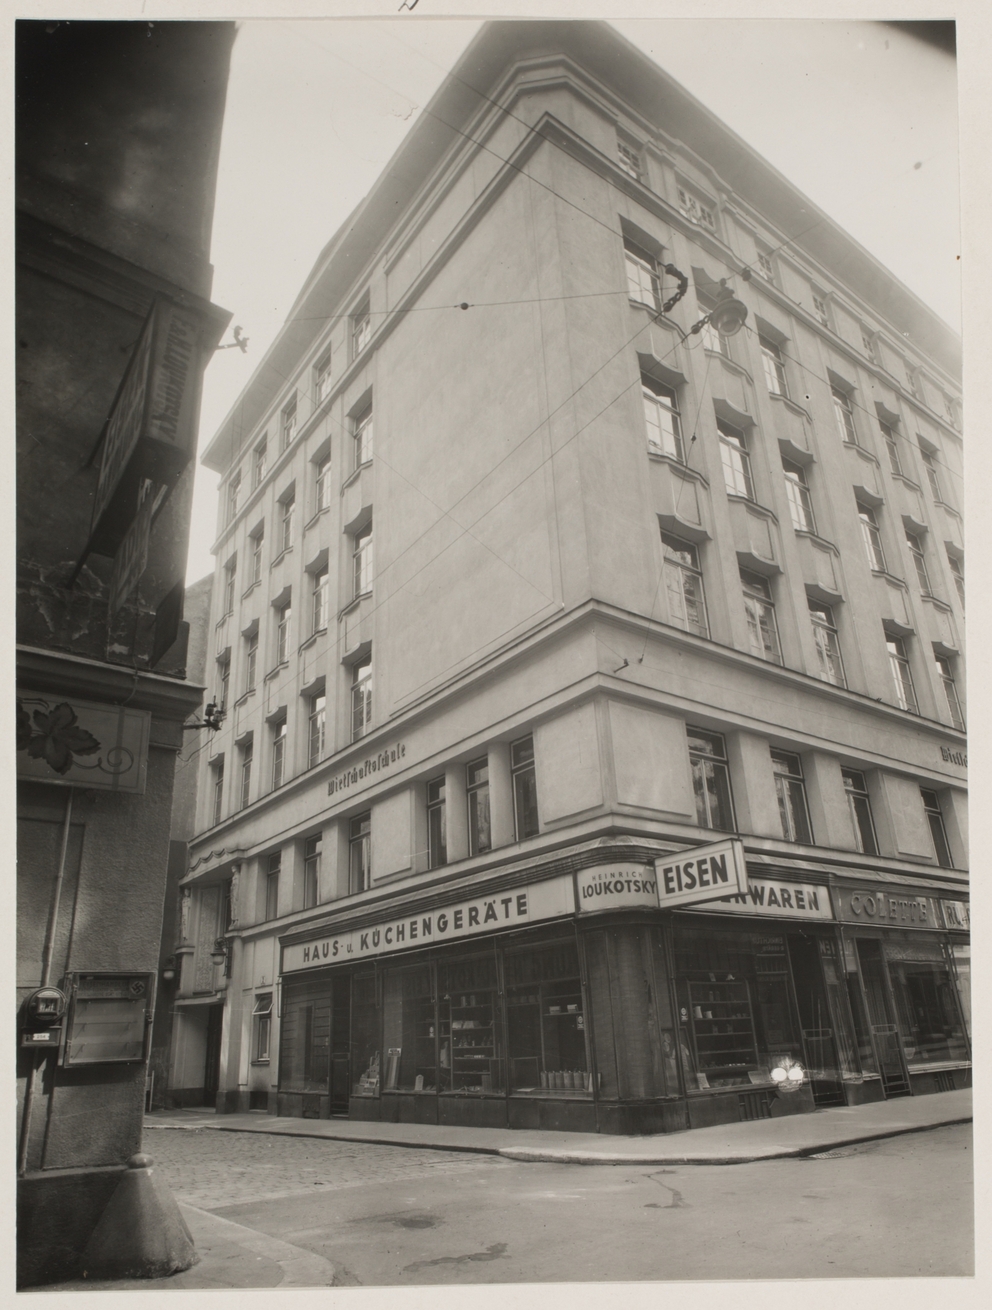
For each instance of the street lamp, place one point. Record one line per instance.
(727, 315)
(219, 954)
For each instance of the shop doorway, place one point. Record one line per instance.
(819, 1042)
(211, 1063)
(881, 1018)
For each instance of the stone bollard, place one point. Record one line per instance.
(141, 1233)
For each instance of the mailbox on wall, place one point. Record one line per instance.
(109, 1018)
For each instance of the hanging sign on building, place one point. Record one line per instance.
(892, 907)
(616, 887)
(782, 900)
(132, 555)
(956, 915)
(72, 742)
(705, 873)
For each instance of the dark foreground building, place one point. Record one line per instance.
(118, 131)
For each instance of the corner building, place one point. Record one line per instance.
(525, 592)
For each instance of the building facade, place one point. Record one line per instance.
(594, 754)
(118, 131)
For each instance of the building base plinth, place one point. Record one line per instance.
(141, 1233)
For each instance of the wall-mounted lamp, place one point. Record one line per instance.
(169, 969)
(219, 954)
(727, 315)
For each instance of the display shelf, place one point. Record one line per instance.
(473, 1043)
(722, 1027)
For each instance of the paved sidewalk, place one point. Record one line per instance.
(764, 1139)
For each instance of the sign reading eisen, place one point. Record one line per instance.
(705, 873)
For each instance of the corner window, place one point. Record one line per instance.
(477, 793)
(247, 751)
(437, 828)
(872, 538)
(735, 460)
(830, 666)
(360, 853)
(312, 850)
(902, 678)
(774, 367)
(316, 728)
(362, 560)
(844, 415)
(935, 818)
(915, 544)
(525, 821)
(262, 1021)
(791, 791)
(322, 379)
(860, 806)
(760, 610)
(258, 463)
(361, 328)
(797, 490)
(684, 586)
(643, 282)
(361, 698)
(362, 433)
(946, 676)
(710, 780)
(288, 424)
(272, 876)
(278, 754)
(661, 415)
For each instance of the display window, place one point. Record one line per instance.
(545, 1022)
(960, 955)
(409, 1030)
(926, 1004)
(305, 1032)
(470, 1057)
(365, 1063)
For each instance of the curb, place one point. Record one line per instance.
(301, 1268)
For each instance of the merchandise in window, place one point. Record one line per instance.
(902, 677)
(872, 538)
(684, 586)
(469, 1055)
(545, 1022)
(774, 367)
(643, 282)
(477, 794)
(736, 461)
(363, 437)
(791, 792)
(946, 676)
(928, 1009)
(525, 820)
(830, 666)
(312, 848)
(915, 544)
(935, 818)
(362, 561)
(844, 415)
(262, 1020)
(437, 828)
(246, 758)
(361, 698)
(359, 853)
(857, 798)
(710, 780)
(800, 503)
(316, 726)
(272, 886)
(760, 611)
(278, 754)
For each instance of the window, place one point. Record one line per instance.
(797, 490)
(362, 560)
(251, 660)
(312, 848)
(322, 485)
(946, 676)
(288, 424)
(278, 754)
(712, 340)
(258, 463)
(830, 667)
(477, 791)
(643, 283)
(765, 266)
(258, 536)
(233, 496)
(361, 698)
(915, 544)
(710, 780)
(892, 448)
(760, 610)
(791, 792)
(262, 1019)
(844, 415)
(286, 513)
(283, 616)
(322, 379)
(218, 769)
(272, 885)
(935, 818)
(820, 309)
(363, 437)
(774, 367)
(318, 600)
(361, 328)
(684, 584)
(912, 381)
(930, 465)
(247, 751)
(868, 346)
(316, 725)
(224, 674)
(957, 572)
(525, 821)
(736, 461)
(359, 853)
(630, 160)
(437, 830)
(902, 678)
(695, 210)
(871, 537)
(857, 799)
(661, 414)
(230, 577)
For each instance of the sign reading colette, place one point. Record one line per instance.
(705, 873)
(896, 907)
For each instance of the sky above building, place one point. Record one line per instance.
(862, 117)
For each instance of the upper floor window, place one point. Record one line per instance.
(902, 677)
(287, 513)
(871, 537)
(525, 820)
(868, 346)
(661, 414)
(361, 328)
(272, 885)
(830, 666)
(318, 600)
(258, 462)
(437, 828)
(257, 538)
(251, 659)
(361, 698)
(322, 378)
(224, 672)
(957, 572)
(844, 415)
(283, 616)
(684, 585)
(288, 423)
(946, 676)
(913, 381)
(774, 367)
(935, 818)
(322, 485)
(629, 158)
(710, 780)
(695, 210)
(312, 851)
(892, 449)
(247, 751)
(363, 437)
(233, 496)
(643, 282)
(230, 578)
(791, 792)
(362, 560)
(915, 544)
(760, 610)
(477, 794)
(278, 754)
(218, 787)
(930, 466)
(360, 853)
(860, 806)
(820, 309)
(765, 266)
(736, 461)
(797, 490)
(712, 340)
(316, 726)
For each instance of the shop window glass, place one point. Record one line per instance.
(926, 1002)
(409, 1031)
(546, 1034)
(859, 1014)
(305, 1033)
(961, 956)
(364, 1036)
(469, 1054)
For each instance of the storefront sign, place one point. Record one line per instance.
(956, 915)
(615, 887)
(385, 759)
(894, 907)
(81, 744)
(704, 873)
(132, 555)
(784, 900)
(470, 918)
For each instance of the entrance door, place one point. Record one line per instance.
(340, 1044)
(885, 1034)
(819, 1044)
(211, 1064)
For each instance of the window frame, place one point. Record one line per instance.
(821, 309)
(773, 366)
(273, 873)
(915, 544)
(892, 447)
(756, 591)
(321, 377)
(660, 400)
(735, 460)
(523, 769)
(641, 271)
(233, 495)
(313, 850)
(230, 585)
(826, 640)
(871, 536)
(677, 571)
(284, 615)
(956, 565)
(930, 468)
(360, 853)
(859, 804)
(706, 766)
(946, 675)
(288, 418)
(217, 808)
(361, 698)
(262, 1024)
(361, 326)
(257, 541)
(320, 582)
(798, 495)
(224, 678)
(363, 436)
(322, 484)
(437, 826)
(247, 757)
(630, 160)
(477, 800)
(844, 414)
(280, 731)
(793, 805)
(902, 674)
(691, 207)
(251, 660)
(316, 727)
(362, 555)
(938, 830)
(287, 515)
(259, 459)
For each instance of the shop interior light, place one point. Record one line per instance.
(788, 1075)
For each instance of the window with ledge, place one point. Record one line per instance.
(902, 677)
(844, 414)
(258, 462)
(525, 820)
(279, 731)
(946, 675)
(322, 485)
(710, 780)
(312, 851)
(712, 340)
(661, 416)
(477, 795)
(224, 677)
(287, 513)
(956, 566)
(272, 876)
(318, 600)
(915, 544)
(218, 789)
(629, 159)
(820, 309)
(913, 382)
(791, 792)
(262, 1022)
(360, 853)
(362, 433)
(233, 496)
(361, 698)
(322, 378)
(774, 366)
(247, 751)
(935, 818)
(860, 806)
(362, 560)
(230, 580)
(361, 328)
(930, 467)
(765, 265)
(251, 660)
(892, 449)
(257, 538)
(871, 537)
(735, 460)
(760, 610)
(830, 666)
(684, 586)
(437, 828)
(868, 346)
(695, 210)
(283, 616)
(288, 424)
(316, 727)
(643, 281)
(800, 503)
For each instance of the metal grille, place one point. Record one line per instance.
(311, 1107)
(754, 1105)
(943, 1080)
